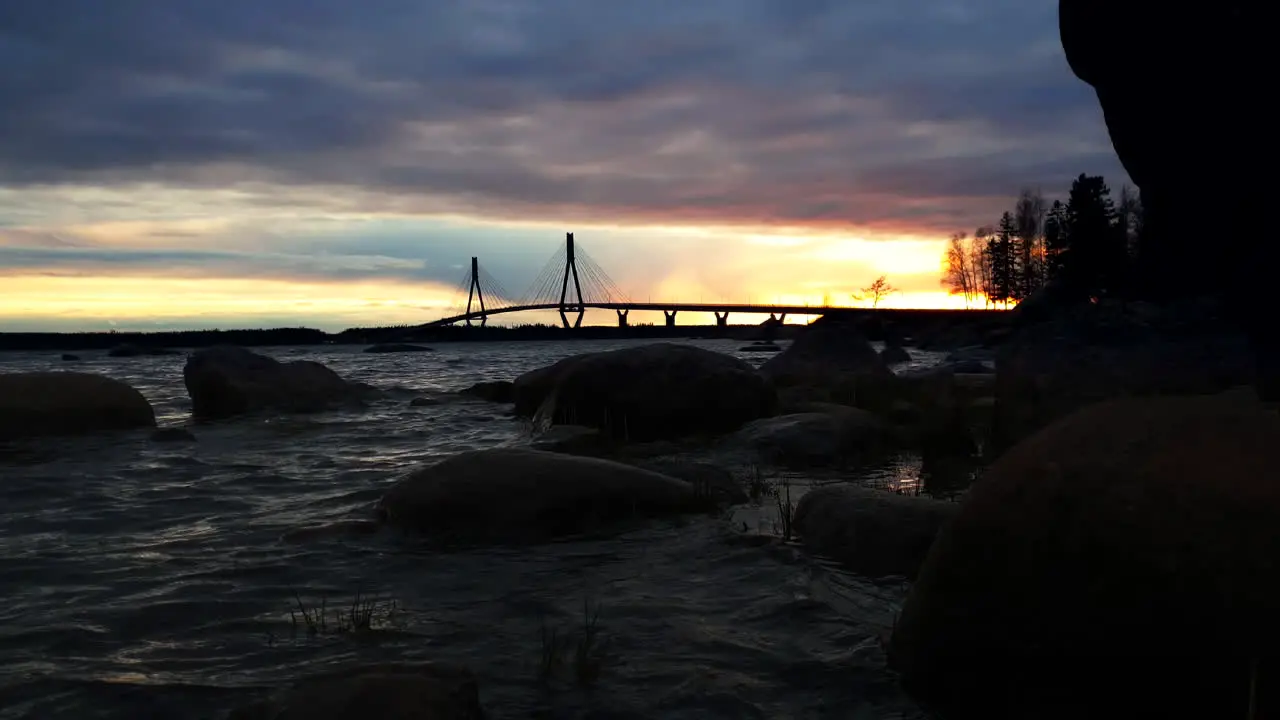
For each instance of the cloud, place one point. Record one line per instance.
(926, 115)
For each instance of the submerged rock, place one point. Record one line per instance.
(226, 381)
(68, 403)
(509, 495)
(68, 357)
(386, 691)
(1122, 558)
(652, 392)
(496, 391)
(893, 354)
(872, 532)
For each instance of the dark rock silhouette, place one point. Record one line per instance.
(829, 348)
(68, 403)
(1118, 563)
(1181, 121)
(892, 354)
(226, 381)
(68, 357)
(385, 691)
(652, 392)
(872, 532)
(497, 391)
(508, 495)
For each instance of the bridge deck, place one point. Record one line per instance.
(746, 309)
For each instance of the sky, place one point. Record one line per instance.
(325, 163)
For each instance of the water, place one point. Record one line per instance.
(150, 580)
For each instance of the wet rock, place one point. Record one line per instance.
(397, 348)
(68, 403)
(386, 691)
(226, 381)
(893, 354)
(712, 481)
(68, 357)
(173, 434)
(495, 391)
(836, 437)
(656, 392)
(1125, 549)
(129, 350)
(873, 532)
(424, 402)
(976, 354)
(509, 495)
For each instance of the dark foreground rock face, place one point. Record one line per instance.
(496, 391)
(226, 381)
(387, 691)
(652, 392)
(1177, 87)
(1122, 562)
(872, 532)
(68, 403)
(509, 495)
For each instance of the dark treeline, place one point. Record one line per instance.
(1089, 246)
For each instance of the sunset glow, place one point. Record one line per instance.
(240, 175)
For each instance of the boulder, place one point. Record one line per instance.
(397, 348)
(68, 403)
(510, 495)
(1120, 562)
(531, 389)
(226, 381)
(655, 392)
(720, 485)
(873, 532)
(386, 691)
(68, 357)
(833, 436)
(496, 391)
(827, 351)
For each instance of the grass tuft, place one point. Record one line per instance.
(584, 653)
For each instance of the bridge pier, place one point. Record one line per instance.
(622, 318)
(671, 317)
(722, 319)
(778, 318)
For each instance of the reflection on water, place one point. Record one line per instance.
(146, 580)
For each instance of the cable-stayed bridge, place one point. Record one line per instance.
(570, 283)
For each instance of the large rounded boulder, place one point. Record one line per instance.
(68, 403)
(1122, 562)
(656, 392)
(226, 381)
(514, 495)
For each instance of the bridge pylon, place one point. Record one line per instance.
(567, 304)
(475, 294)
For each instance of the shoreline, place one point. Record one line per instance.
(877, 325)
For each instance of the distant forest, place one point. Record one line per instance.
(1089, 246)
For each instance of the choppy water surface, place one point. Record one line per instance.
(149, 580)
